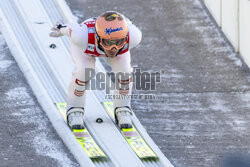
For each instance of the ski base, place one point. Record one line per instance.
(133, 137)
(83, 137)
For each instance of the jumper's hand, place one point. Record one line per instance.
(56, 29)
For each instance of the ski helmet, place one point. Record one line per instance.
(111, 30)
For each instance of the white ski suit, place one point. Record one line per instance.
(84, 52)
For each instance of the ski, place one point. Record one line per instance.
(132, 136)
(83, 137)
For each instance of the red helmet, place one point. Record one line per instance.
(111, 30)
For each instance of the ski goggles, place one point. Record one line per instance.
(110, 43)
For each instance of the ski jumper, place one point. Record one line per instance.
(84, 51)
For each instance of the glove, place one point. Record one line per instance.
(56, 29)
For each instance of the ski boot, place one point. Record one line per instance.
(75, 118)
(123, 117)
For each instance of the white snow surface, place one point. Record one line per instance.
(29, 113)
(39, 138)
(4, 64)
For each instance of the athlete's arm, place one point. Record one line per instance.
(135, 34)
(78, 33)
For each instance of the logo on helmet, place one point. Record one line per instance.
(110, 30)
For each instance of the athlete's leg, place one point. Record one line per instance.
(124, 84)
(122, 108)
(79, 81)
